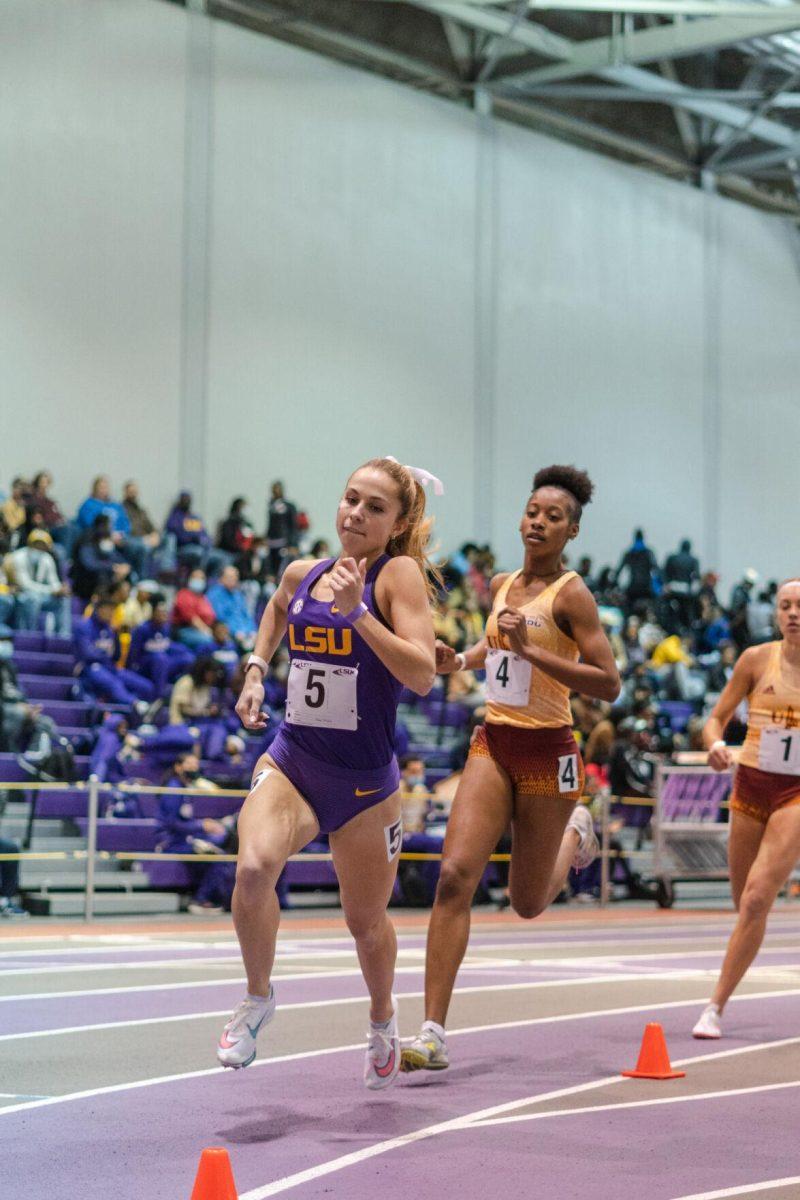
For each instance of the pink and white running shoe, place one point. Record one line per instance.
(382, 1061)
(237, 1045)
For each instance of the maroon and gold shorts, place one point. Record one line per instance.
(539, 762)
(761, 793)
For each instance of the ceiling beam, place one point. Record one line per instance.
(549, 45)
(678, 39)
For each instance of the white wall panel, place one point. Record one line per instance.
(599, 342)
(91, 162)
(342, 280)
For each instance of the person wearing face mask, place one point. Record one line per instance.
(413, 793)
(97, 562)
(153, 652)
(192, 613)
(179, 830)
(227, 599)
(39, 591)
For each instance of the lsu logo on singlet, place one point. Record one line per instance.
(319, 640)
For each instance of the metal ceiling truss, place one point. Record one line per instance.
(741, 139)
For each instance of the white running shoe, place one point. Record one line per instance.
(427, 1052)
(237, 1045)
(382, 1061)
(709, 1024)
(588, 845)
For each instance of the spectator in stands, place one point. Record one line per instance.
(631, 769)
(195, 695)
(236, 533)
(13, 509)
(320, 549)
(143, 535)
(100, 504)
(632, 643)
(192, 614)
(39, 591)
(52, 516)
(9, 883)
(740, 600)
(585, 571)
(97, 562)
(97, 649)
(24, 729)
(282, 529)
(6, 597)
(223, 649)
(180, 832)
(413, 793)
(138, 607)
(682, 583)
(189, 531)
(761, 619)
(721, 671)
(153, 653)
(638, 564)
(229, 605)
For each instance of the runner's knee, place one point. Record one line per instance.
(757, 899)
(456, 885)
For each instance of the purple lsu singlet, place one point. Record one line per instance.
(342, 704)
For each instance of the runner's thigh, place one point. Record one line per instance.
(275, 820)
(480, 815)
(365, 856)
(537, 829)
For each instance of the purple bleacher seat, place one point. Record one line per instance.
(46, 687)
(204, 806)
(12, 772)
(31, 662)
(69, 712)
(408, 697)
(62, 805)
(168, 875)
(125, 834)
(41, 643)
(432, 756)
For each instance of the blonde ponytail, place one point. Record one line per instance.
(415, 539)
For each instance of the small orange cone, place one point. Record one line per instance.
(214, 1179)
(654, 1057)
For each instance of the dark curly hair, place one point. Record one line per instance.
(576, 483)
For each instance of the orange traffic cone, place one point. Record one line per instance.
(654, 1057)
(214, 1180)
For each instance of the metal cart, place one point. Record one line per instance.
(690, 827)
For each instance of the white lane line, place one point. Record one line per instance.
(588, 1109)
(744, 1189)
(468, 1120)
(268, 1062)
(20, 1096)
(528, 985)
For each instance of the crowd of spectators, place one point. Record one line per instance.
(161, 619)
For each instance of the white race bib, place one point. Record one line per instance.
(322, 695)
(508, 678)
(779, 750)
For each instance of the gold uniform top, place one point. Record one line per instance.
(547, 704)
(774, 701)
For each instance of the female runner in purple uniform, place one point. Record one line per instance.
(359, 629)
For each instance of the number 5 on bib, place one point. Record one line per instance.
(508, 678)
(322, 695)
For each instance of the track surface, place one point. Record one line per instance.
(108, 1088)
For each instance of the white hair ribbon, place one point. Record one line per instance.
(422, 476)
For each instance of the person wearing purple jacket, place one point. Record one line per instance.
(97, 650)
(153, 653)
(359, 630)
(189, 531)
(178, 830)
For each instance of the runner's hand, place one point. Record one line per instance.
(445, 658)
(347, 583)
(248, 706)
(720, 758)
(513, 626)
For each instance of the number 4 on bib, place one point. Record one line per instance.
(568, 773)
(508, 678)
